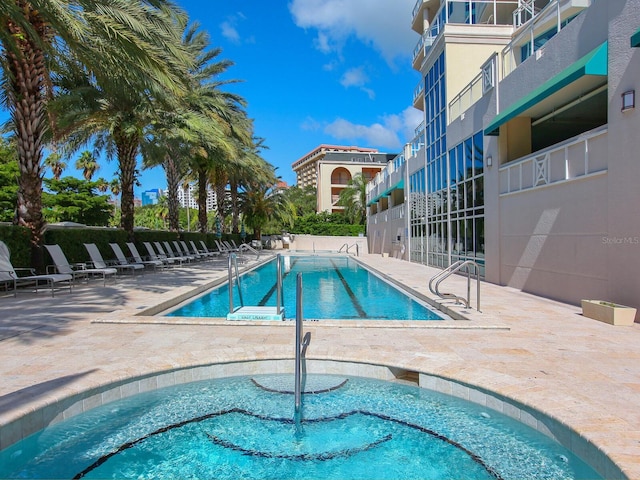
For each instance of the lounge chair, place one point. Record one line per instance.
(206, 249)
(204, 252)
(185, 252)
(9, 275)
(77, 270)
(222, 248)
(168, 251)
(160, 255)
(232, 248)
(99, 262)
(138, 258)
(122, 260)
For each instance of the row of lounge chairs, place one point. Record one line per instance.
(63, 274)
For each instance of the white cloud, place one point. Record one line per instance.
(229, 32)
(390, 132)
(229, 29)
(383, 24)
(354, 77)
(357, 77)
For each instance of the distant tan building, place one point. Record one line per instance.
(329, 168)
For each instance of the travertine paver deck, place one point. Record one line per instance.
(538, 352)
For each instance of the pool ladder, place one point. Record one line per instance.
(450, 270)
(233, 268)
(302, 342)
(346, 246)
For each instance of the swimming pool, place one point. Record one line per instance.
(335, 287)
(243, 427)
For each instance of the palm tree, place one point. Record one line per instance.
(114, 186)
(102, 185)
(264, 202)
(112, 39)
(354, 199)
(56, 164)
(87, 163)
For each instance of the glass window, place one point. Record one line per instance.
(478, 161)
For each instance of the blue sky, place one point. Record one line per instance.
(312, 72)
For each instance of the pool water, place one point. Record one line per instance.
(244, 427)
(333, 288)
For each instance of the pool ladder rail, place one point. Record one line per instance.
(302, 342)
(346, 248)
(468, 265)
(244, 312)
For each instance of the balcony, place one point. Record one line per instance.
(418, 96)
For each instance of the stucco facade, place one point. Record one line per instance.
(560, 169)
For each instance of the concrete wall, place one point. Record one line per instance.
(310, 243)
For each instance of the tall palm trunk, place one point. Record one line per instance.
(171, 172)
(127, 148)
(202, 199)
(27, 81)
(235, 210)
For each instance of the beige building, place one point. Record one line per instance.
(328, 168)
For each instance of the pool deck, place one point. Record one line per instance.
(537, 352)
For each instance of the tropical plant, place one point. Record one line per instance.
(75, 200)
(56, 164)
(9, 173)
(87, 163)
(354, 200)
(305, 199)
(264, 202)
(102, 185)
(120, 43)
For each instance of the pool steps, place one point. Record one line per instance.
(256, 313)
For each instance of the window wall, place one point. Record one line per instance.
(466, 200)
(436, 163)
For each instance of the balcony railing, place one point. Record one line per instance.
(556, 13)
(576, 158)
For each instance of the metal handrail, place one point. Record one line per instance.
(302, 342)
(249, 248)
(279, 283)
(233, 261)
(349, 246)
(453, 268)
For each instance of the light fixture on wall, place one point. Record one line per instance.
(628, 100)
(489, 161)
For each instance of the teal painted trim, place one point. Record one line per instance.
(635, 39)
(593, 63)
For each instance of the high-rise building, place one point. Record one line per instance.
(526, 162)
(151, 197)
(189, 196)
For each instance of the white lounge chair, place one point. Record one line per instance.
(99, 262)
(166, 251)
(183, 253)
(9, 275)
(138, 258)
(206, 249)
(204, 252)
(122, 260)
(77, 270)
(160, 255)
(222, 248)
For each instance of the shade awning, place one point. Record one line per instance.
(593, 63)
(387, 192)
(635, 39)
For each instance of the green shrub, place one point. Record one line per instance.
(18, 240)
